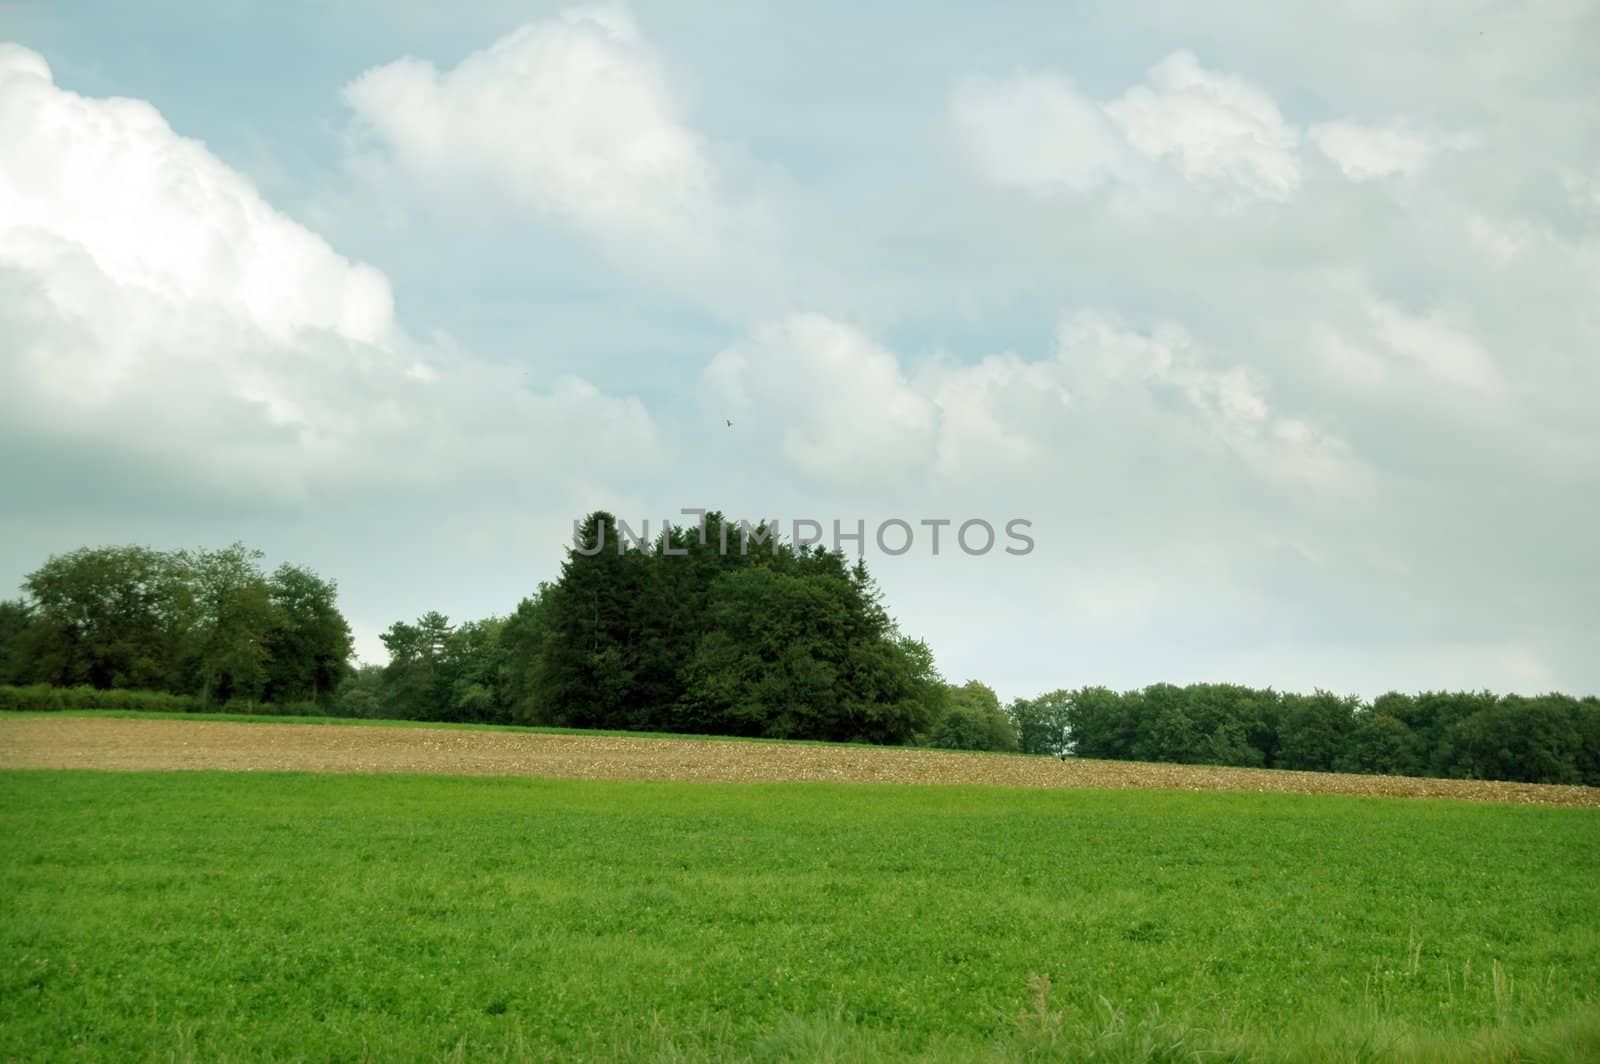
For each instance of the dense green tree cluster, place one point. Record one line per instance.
(479, 671)
(207, 623)
(718, 629)
(973, 720)
(1549, 739)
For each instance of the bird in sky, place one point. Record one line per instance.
(729, 423)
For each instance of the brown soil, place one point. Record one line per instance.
(127, 745)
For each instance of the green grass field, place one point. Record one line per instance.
(206, 916)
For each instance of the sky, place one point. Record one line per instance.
(1278, 324)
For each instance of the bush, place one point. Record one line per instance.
(43, 698)
(968, 728)
(274, 709)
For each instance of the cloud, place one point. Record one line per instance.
(1373, 152)
(151, 303)
(1444, 351)
(1520, 59)
(1185, 130)
(572, 119)
(1036, 132)
(1220, 134)
(847, 411)
(571, 116)
(1429, 276)
(1166, 483)
(1215, 128)
(1376, 347)
(996, 416)
(1167, 385)
(150, 210)
(1367, 455)
(843, 409)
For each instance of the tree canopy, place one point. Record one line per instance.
(1550, 739)
(718, 629)
(207, 623)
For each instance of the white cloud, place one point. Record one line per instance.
(1408, 54)
(1441, 348)
(996, 415)
(151, 302)
(843, 409)
(1222, 408)
(574, 119)
(571, 116)
(157, 212)
(1372, 345)
(1350, 363)
(1222, 135)
(1584, 191)
(1500, 242)
(1372, 152)
(1216, 128)
(1038, 133)
(846, 411)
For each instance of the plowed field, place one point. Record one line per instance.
(132, 745)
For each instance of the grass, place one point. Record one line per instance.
(204, 916)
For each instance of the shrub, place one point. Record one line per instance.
(43, 698)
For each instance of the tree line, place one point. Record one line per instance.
(721, 629)
(1551, 738)
(210, 625)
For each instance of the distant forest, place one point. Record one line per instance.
(683, 634)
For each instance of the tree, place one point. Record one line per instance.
(929, 693)
(1229, 744)
(890, 681)
(18, 636)
(973, 720)
(361, 694)
(683, 635)
(1379, 744)
(231, 621)
(797, 645)
(471, 671)
(1434, 718)
(1587, 713)
(1235, 725)
(109, 617)
(522, 642)
(1314, 730)
(1043, 724)
(1535, 740)
(1102, 723)
(1166, 730)
(414, 687)
(591, 660)
(205, 623)
(772, 660)
(1172, 737)
(309, 646)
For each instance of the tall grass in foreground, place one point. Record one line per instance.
(201, 916)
